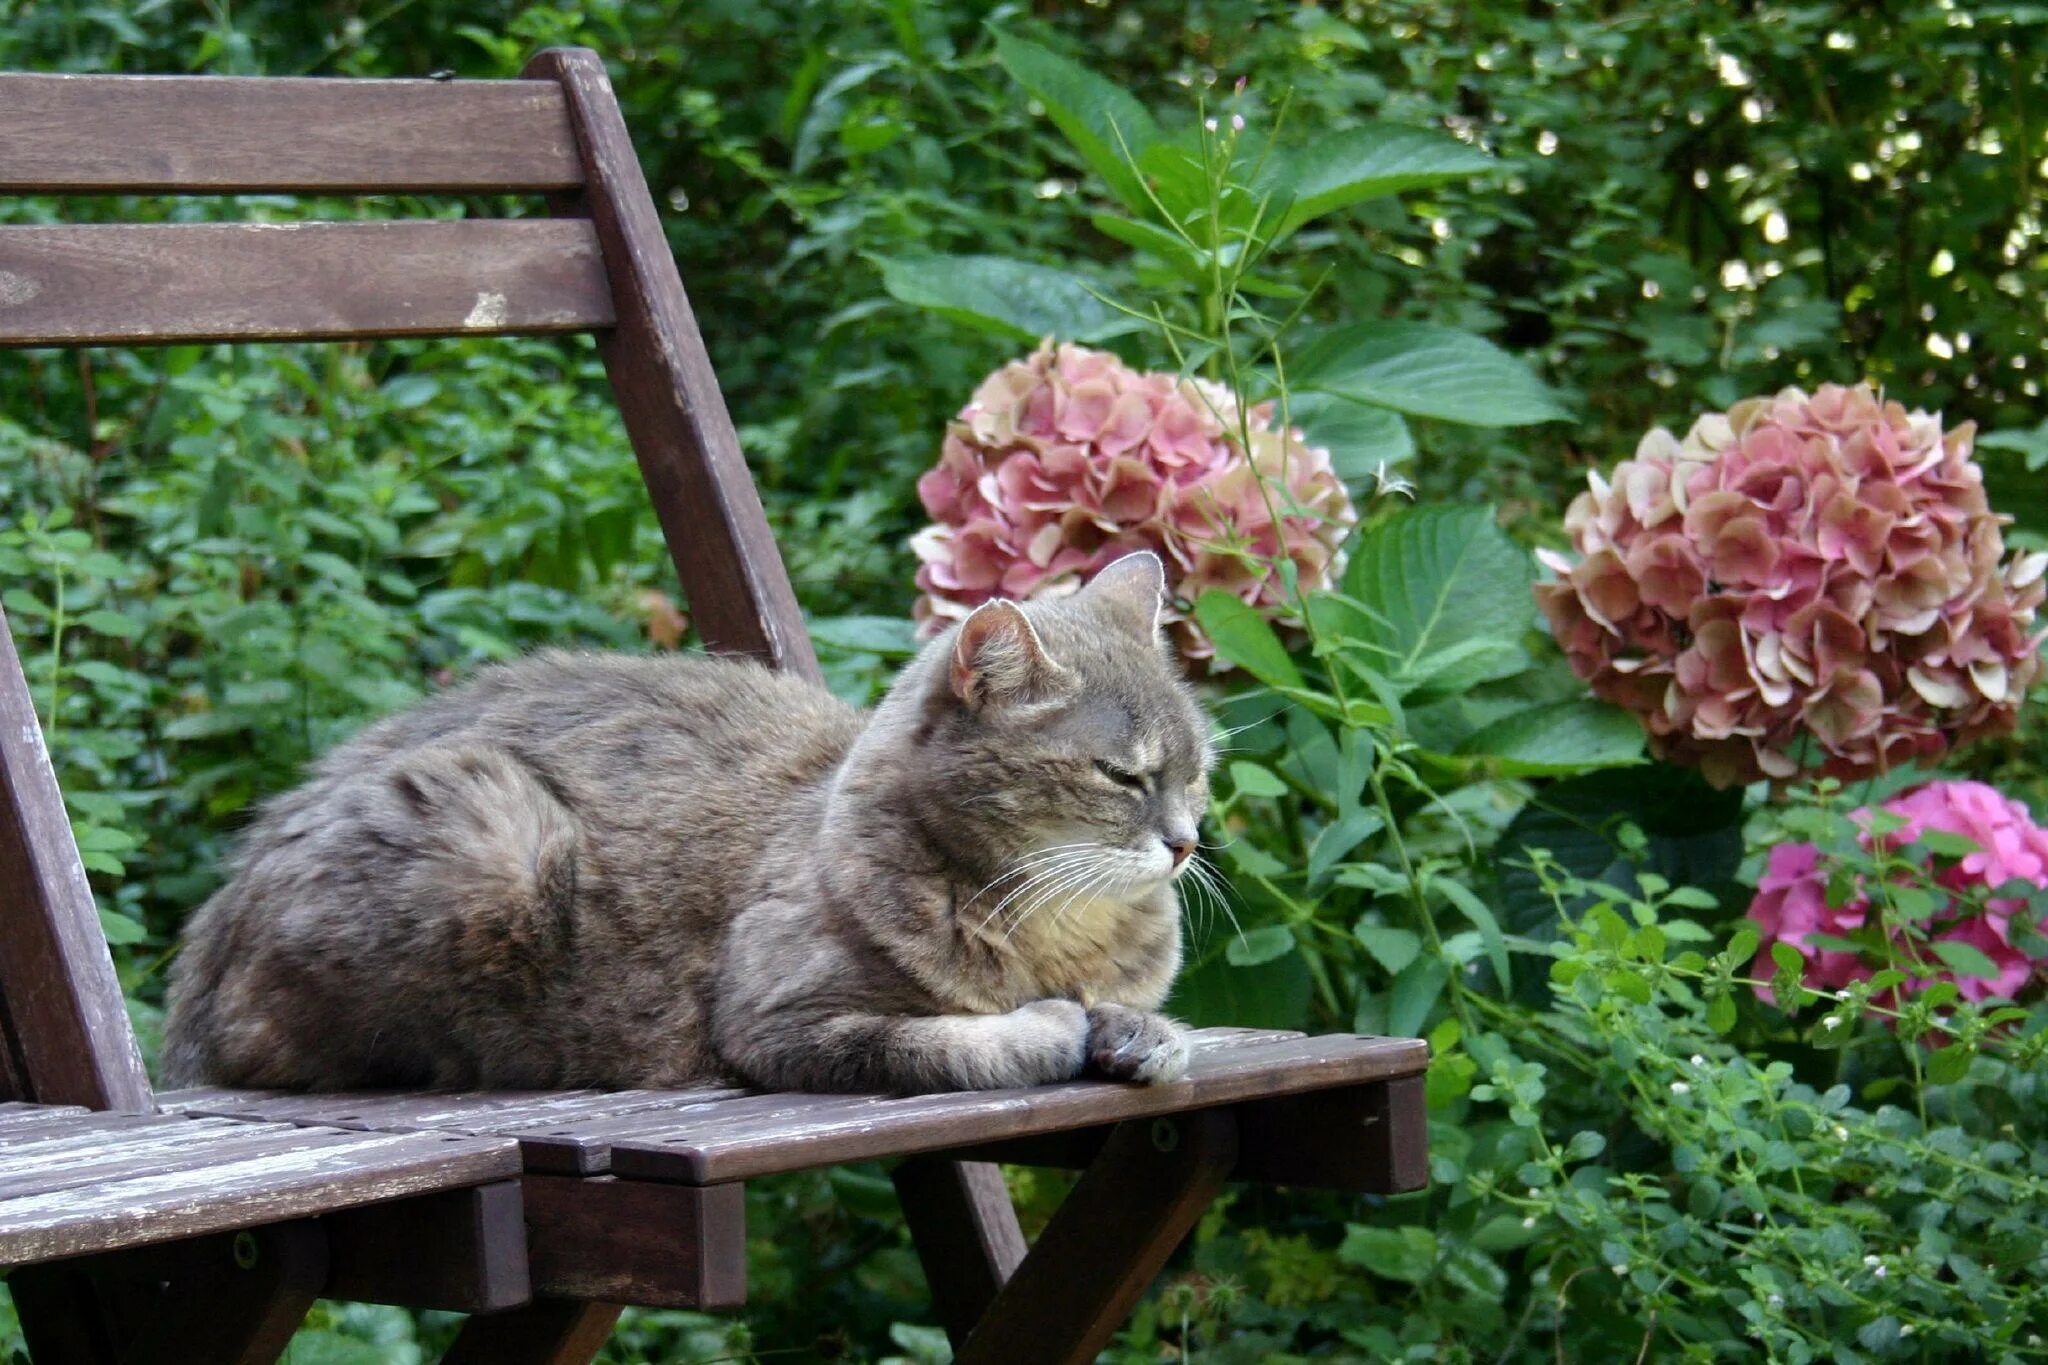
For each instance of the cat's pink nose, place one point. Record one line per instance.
(1182, 850)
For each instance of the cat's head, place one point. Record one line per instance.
(1058, 745)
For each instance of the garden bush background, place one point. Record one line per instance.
(219, 561)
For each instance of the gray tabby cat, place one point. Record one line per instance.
(591, 870)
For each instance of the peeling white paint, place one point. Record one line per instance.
(16, 288)
(489, 311)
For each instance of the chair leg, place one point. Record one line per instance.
(966, 1232)
(544, 1332)
(1126, 1215)
(232, 1299)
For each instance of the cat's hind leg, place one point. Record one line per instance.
(406, 923)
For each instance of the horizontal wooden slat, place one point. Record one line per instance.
(138, 284)
(233, 135)
(299, 1172)
(717, 1133)
(718, 1149)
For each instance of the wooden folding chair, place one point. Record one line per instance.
(627, 1197)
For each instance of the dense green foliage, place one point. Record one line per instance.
(218, 561)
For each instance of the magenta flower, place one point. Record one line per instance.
(1068, 459)
(1818, 568)
(1791, 904)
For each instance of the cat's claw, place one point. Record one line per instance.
(1135, 1045)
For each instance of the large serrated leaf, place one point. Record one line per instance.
(1428, 371)
(1016, 299)
(1242, 637)
(1362, 439)
(1562, 739)
(1694, 837)
(1104, 123)
(1437, 579)
(1370, 161)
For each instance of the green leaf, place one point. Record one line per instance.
(889, 636)
(1434, 579)
(1370, 161)
(111, 623)
(1191, 262)
(1950, 1064)
(1482, 917)
(1392, 948)
(1721, 1013)
(1742, 945)
(1963, 959)
(1947, 844)
(1585, 1145)
(1415, 989)
(1274, 994)
(1787, 958)
(1693, 837)
(1106, 125)
(1016, 299)
(1427, 371)
(1405, 1253)
(1339, 837)
(2031, 444)
(1252, 780)
(1243, 637)
(1360, 437)
(119, 928)
(1259, 945)
(1559, 740)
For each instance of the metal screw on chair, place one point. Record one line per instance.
(247, 1252)
(1165, 1135)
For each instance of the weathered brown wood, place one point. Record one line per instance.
(965, 1229)
(739, 595)
(461, 1250)
(226, 1300)
(502, 1112)
(150, 283)
(545, 1332)
(305, 1172)
(583, 1147)
(1114, 1233)
(63, 1124)
(621, 1241)
(1371, 1139)
(721, 1148)
(62, 1019)
(239, 135)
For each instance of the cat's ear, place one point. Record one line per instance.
(998, 657)
(1132, 591)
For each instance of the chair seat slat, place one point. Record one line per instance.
(140, 284)
(288, 1172)
(241, 135)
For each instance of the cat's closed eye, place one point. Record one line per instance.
(1123, 777)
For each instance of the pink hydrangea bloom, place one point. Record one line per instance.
(1817, 567)
(1067, 459)
(1791, 904)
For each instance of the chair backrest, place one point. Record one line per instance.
(599, 265)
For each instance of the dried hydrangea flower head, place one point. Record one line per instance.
(1807, 580)
(1069, 459)
(1792, 903)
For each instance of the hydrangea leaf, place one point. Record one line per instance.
(1105, 124)
(1370, 161)
(1016, 299)
(1427, 371)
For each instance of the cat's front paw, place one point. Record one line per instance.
(1135, 1045)
(1047, 1042)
